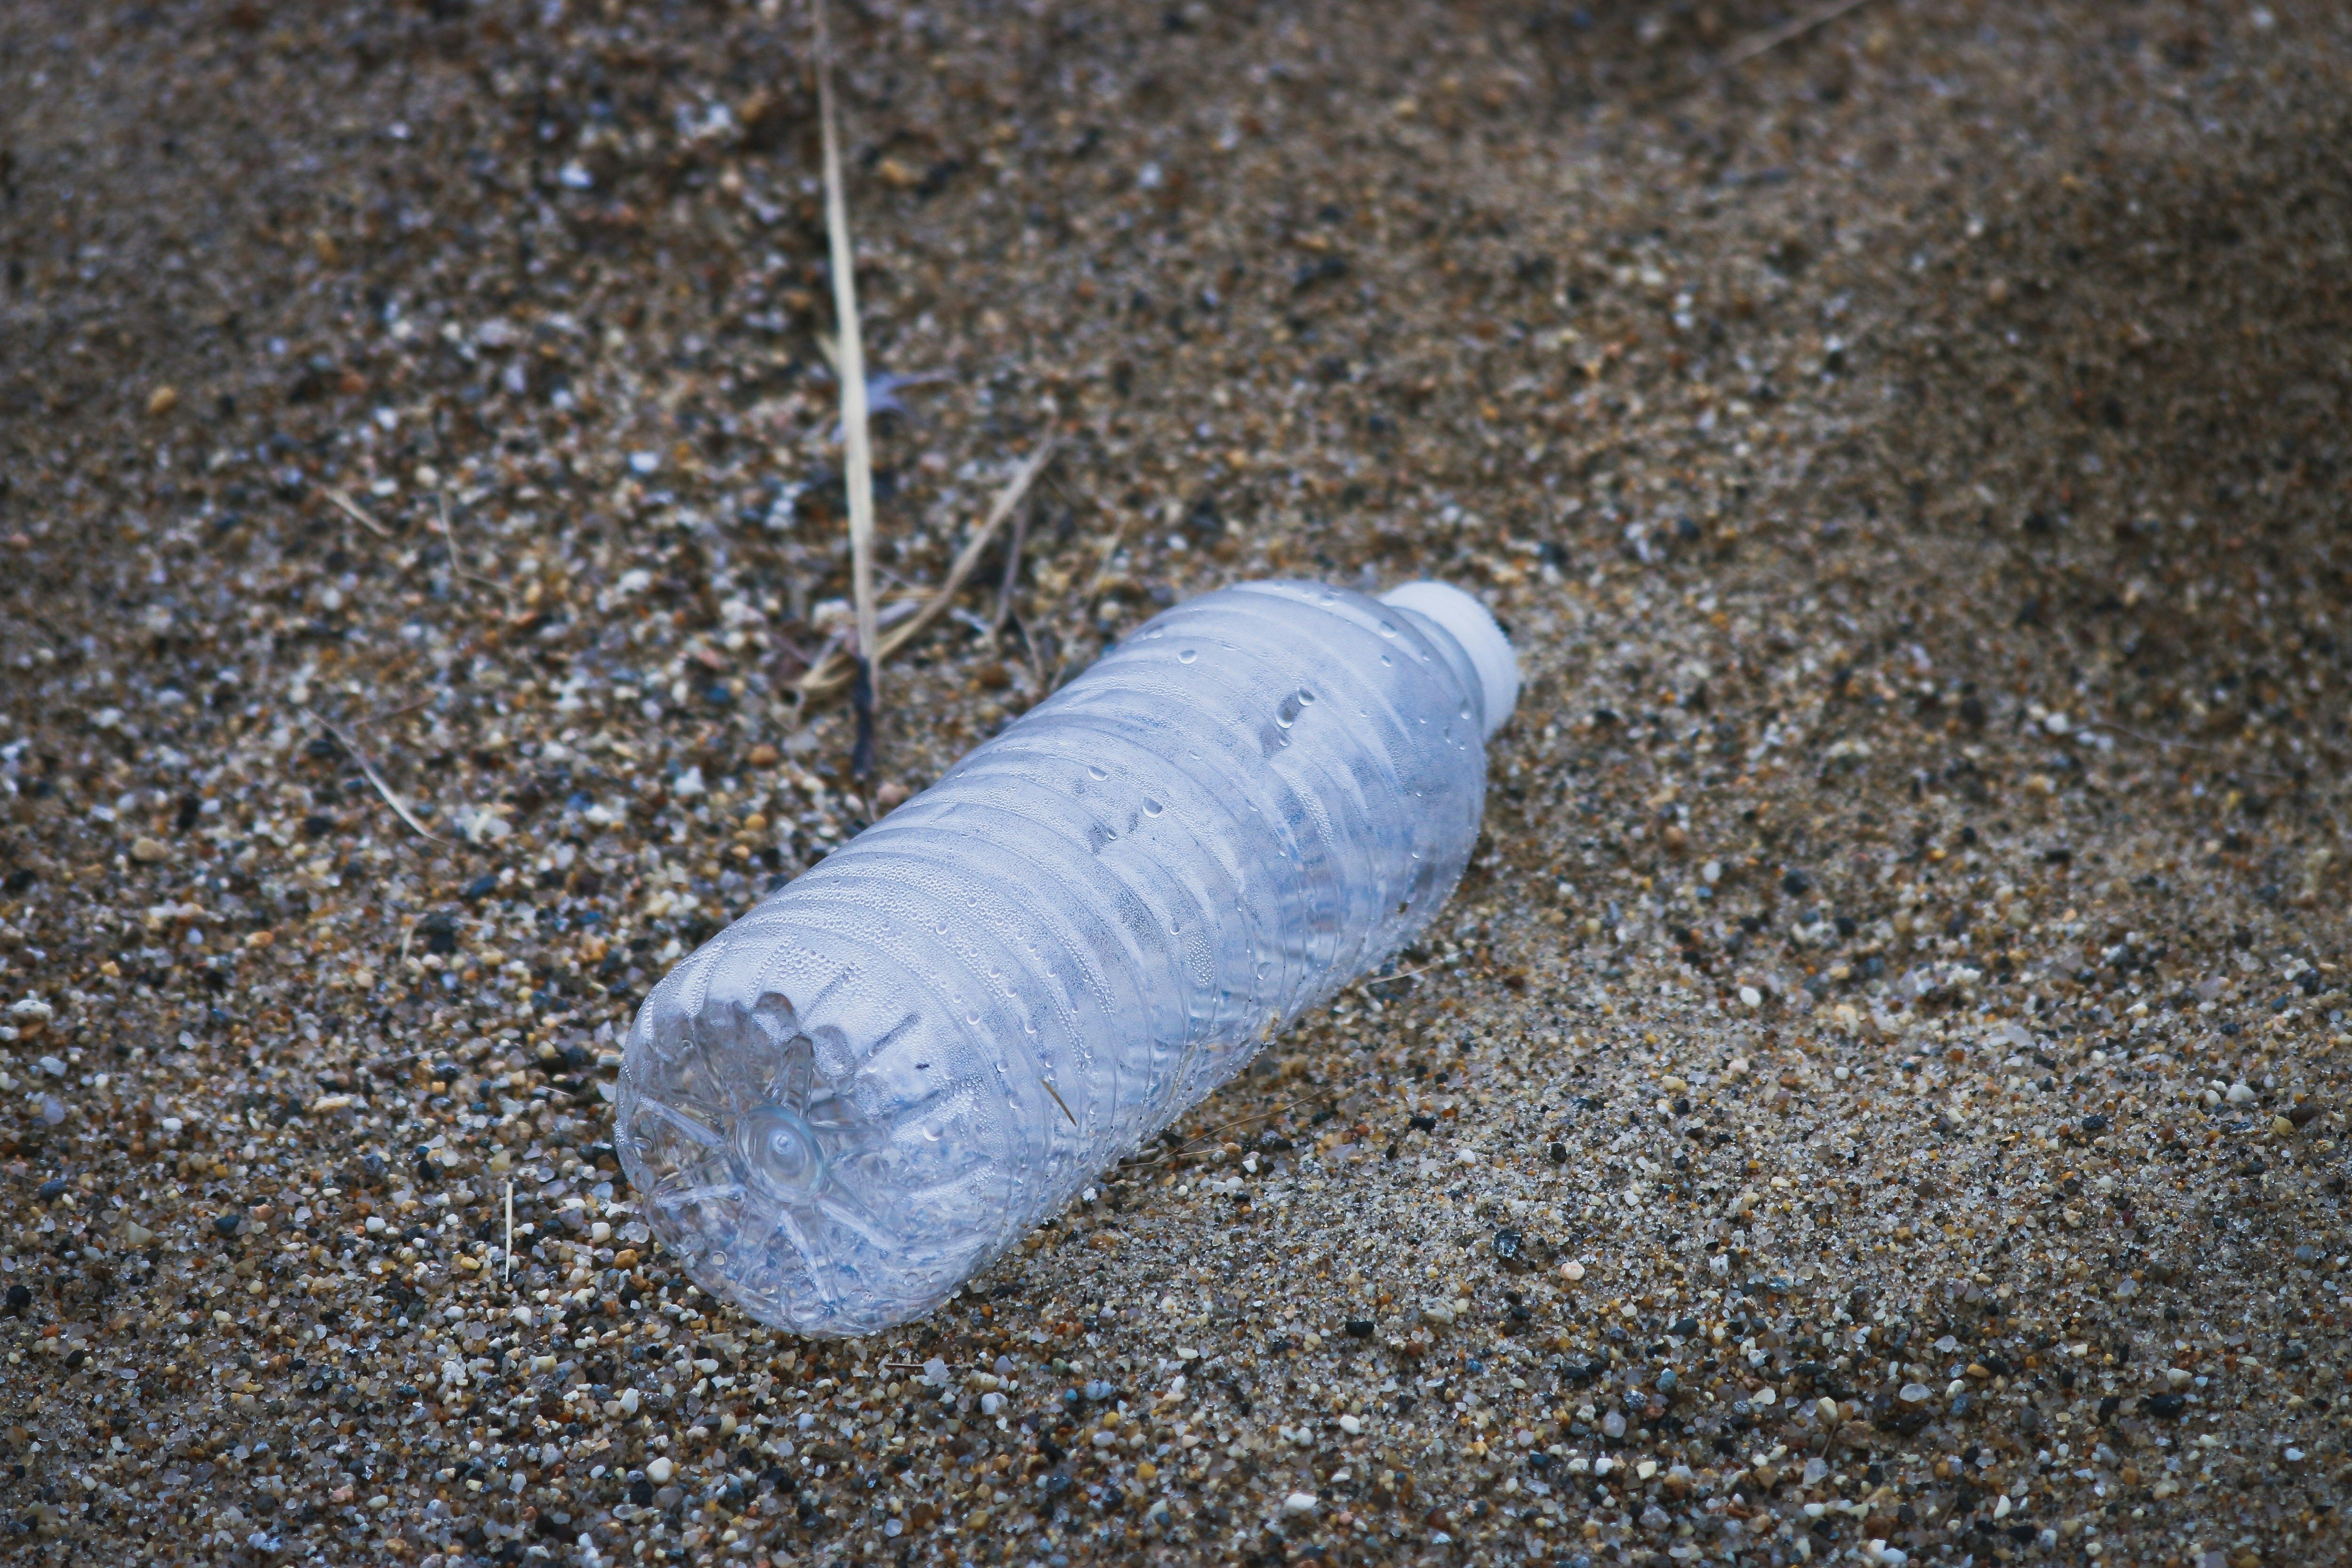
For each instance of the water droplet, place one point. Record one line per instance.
(1095, 773)
(1152, 807)
(1386, 662)
(1188, 655)
(1307, 699)
(1388, 630)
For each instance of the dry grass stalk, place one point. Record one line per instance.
(1754, 44)
(1012, 573)
(1111, 541)
(342, 738)
(834, 672)
(856, 437)
(458, 570)
(353, 510)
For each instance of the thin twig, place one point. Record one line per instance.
(1012, 573)
(1109, 552)
(1029, 650)
(353, 510)
(1770, 38)
(509, 1253)
(457, 567)
(1161, 1155)
(855, 436)
(424, 701)
(861, 702)
(343, 738)
(2167, 743)
(1058, 1100)
(833, 673)
(1116, 537)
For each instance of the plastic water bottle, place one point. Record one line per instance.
(851, 1100)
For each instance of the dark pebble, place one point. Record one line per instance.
(53, 1189)
(2168, 1405)
(1360, 1328)
(225, 1225)
(2094, 1124)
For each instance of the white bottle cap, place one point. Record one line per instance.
(1467, 620)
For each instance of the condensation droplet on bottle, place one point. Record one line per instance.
(1095, 773)
(1152, 807)
(1388, 630)
(1186, 656)
(1305, 698)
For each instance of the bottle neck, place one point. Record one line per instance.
(1472, 645)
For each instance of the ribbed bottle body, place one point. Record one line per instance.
(853, 1099)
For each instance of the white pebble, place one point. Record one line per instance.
(659, 1471)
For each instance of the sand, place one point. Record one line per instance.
(1878, 1094)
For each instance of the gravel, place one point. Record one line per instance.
(1878, 1094)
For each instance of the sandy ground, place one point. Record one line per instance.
(1880, 1091)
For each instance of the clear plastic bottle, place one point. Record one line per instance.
(851, 1100)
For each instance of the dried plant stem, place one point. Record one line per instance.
(1012, 573)
(353, 510)
(1770, 38)
(458, 570)
(343, 738)
(835, 673)
(1111, 541)
(856, 437)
